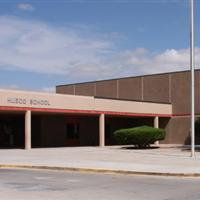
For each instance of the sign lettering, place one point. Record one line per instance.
(31, 102)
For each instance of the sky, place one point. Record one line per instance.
(44, 43)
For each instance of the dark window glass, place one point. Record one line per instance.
(108, 131)
(72, 131)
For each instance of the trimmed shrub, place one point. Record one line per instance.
(141, 136)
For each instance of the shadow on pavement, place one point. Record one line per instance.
(137, 148)
(189, 149)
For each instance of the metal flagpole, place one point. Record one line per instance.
(192, 78)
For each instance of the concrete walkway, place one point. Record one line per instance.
(166, 160)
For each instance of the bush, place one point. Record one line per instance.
(141, 136)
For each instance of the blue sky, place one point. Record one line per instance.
(47, 43)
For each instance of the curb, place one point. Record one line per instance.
(95, 170)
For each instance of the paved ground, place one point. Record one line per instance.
(166, 159)
(51, 185)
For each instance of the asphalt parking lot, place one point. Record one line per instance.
(51, 185)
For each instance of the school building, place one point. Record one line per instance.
(86, 114)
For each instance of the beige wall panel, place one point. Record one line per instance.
(156, 88)
(165, 124)
(106, 89)
(53, 101)
(197, 92)
(130, 88)
(131, 106)
(80, 103)
(85, 89)
(179, 130)
(65, 89)
(180, 93)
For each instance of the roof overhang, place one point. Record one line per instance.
(48, 102)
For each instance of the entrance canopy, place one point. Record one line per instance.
(12, 100)
(46, 119)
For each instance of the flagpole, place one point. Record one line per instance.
(192, 78)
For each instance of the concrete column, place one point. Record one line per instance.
(102, 130)
(28, 130)
(156, 125)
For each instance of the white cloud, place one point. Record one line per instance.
(12, 86)
(37, 47)
(142, 61)
(49, 89)
(17, 87)
(26, 7)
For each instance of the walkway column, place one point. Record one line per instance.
(28, 130)
(102, 130)
(156, 125)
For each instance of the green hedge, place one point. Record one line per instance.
(141, 136)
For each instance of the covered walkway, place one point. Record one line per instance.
(68, 120)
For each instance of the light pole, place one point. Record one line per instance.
(192, 78)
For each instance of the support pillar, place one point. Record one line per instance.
(28, 130)
(102, 130)
(156, 125)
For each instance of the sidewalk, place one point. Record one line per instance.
(166, 160)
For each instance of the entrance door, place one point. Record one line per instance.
(108, 134)
(11, 131)
(72, 134)
(6, 134)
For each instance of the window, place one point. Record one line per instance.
(72, 131)
(108, 131)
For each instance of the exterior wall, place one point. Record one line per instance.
(179, 130)
(156, 88)
(165, 124)
(85, 89)
(153, 88)
(56, 103)
(107, 89)
(197, 92)
(68, 89)
(130, 88)
(181, 101)
(180, 93)
(49, 130)
(171, 88)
